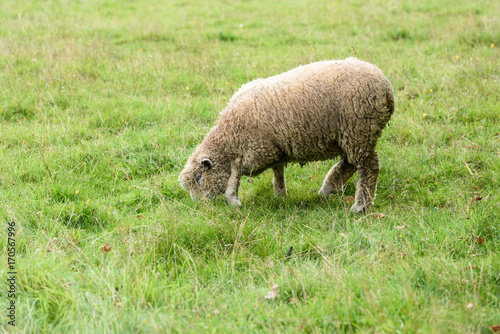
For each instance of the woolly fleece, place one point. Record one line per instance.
(314, 112)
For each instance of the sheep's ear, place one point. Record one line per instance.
(207, 163)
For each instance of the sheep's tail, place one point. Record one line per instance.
(384, 104)
(390, 102)
(389, 106)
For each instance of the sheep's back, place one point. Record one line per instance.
(312, 112)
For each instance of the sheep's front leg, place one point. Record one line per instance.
(337, 177)
(367, 184)
(279, 181)
(233, 183)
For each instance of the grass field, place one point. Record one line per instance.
(102, 102)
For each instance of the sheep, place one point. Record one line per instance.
(314, 112)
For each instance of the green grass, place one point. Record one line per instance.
(102, 102)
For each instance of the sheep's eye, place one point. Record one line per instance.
(198, 178)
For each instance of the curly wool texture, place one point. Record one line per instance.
(314, 112)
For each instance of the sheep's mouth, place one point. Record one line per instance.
(182, 181)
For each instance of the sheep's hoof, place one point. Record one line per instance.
(326, 190)
(234, 201)
(280, 193)
(356, 208)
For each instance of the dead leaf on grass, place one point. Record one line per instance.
(348, 199)
(106, 248)
(402, 227)
(477, 198)
(495, 328)
(273, 293)
(479, 240)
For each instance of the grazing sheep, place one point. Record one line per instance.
(314, 112)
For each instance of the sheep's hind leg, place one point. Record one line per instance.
(337, 177)
(367, 185)
(279, 181)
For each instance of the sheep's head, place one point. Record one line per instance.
(204, 176)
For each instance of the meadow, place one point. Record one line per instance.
(102, 102)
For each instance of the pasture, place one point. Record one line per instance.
(102, 102)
